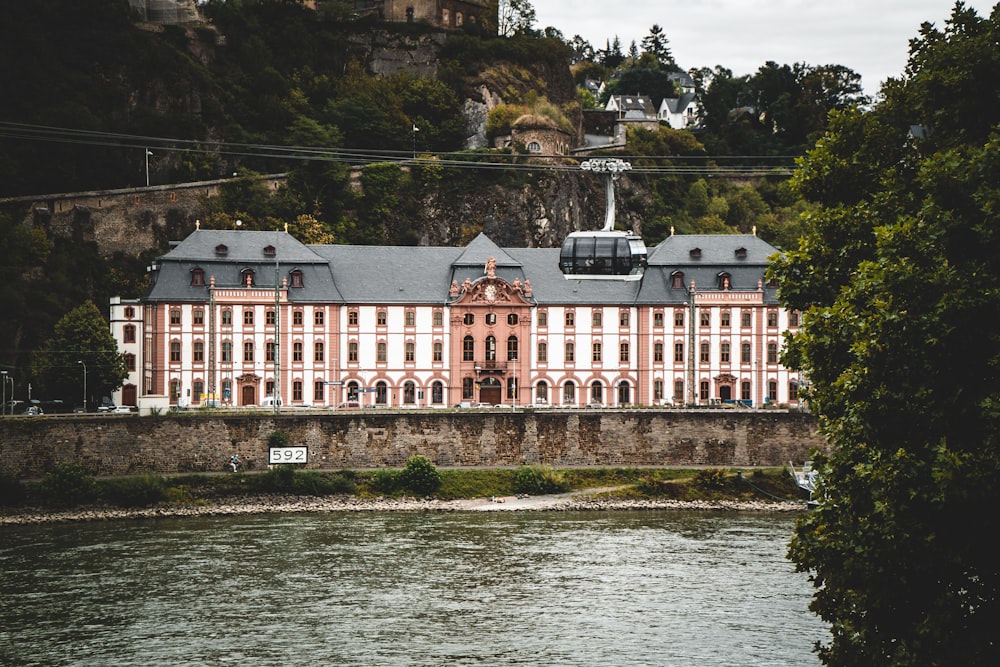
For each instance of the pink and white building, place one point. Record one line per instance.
(233, 317)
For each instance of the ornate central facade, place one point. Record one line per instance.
(233, 317)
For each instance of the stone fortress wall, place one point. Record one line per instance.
(131, 445)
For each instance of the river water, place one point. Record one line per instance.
(408, 588)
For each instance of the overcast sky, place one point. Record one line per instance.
(870, 37)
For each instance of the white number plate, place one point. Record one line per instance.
(287, 455)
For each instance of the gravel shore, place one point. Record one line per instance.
(579, 501)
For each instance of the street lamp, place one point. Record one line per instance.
(4, 413)
(81, 362)
(148, 153)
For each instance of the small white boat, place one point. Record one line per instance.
(806, 478)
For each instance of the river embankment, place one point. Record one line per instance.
(287, 504)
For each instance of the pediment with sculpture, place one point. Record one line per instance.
(489, 289)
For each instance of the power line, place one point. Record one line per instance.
(708, 165)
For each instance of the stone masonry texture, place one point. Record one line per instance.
(195, 443)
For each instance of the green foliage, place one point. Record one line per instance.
(385, 481)
(140, 491)
(711, 479)
(904, 360)
(420, 476)
(68, 485)
(81, 340)
(539, 480)
(277, 439)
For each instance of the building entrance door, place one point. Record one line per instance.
(248, 395)
(489, 392)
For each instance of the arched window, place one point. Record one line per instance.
(247, 278)
(295, 278)
(512, 348)
(725, 281)
(491, 348)
(534, 147)
(468, 349)
(409, 393)
(569, 393)
(624, 393)
(677, 280)
(352, 391)
(437, 392)
(410, 351)
(596, 392)
(381, 393)
(542, 392)
(197, 277)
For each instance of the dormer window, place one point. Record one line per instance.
(695, 253)
(221, 250)
(741, 253)
(246, 278)
(197, 277)
(677, 280)
(295, 278)
(269, 251)
(725, 281)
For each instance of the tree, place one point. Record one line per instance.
(900, 346)
(656, 43)
(81, 344)
(516, 17)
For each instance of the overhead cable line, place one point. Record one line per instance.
(711, 165)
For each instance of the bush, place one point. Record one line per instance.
(68, 485)
(384, 481)
(539, 480)
(312, 483)
(420, 476)
(712, 479)
(134, 491)
(277, 439)
(280, 478)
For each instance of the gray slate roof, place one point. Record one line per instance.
(423, 275)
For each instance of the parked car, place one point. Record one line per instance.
(33, 411)
(268, 402)
(349, 405)
(121, 410)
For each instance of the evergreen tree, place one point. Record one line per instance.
(657, 44)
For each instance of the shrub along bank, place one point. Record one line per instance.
(69, 486)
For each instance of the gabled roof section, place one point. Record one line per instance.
(203, 245)
(480, 250)
(716, 250)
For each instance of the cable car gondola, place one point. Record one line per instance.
(606, 254)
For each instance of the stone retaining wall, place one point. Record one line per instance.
(125, 445)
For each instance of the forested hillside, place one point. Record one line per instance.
(99, 101)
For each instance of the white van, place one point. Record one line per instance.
(268, 402)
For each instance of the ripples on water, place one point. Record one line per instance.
(476, 588)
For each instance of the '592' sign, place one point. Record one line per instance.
(287, 455)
